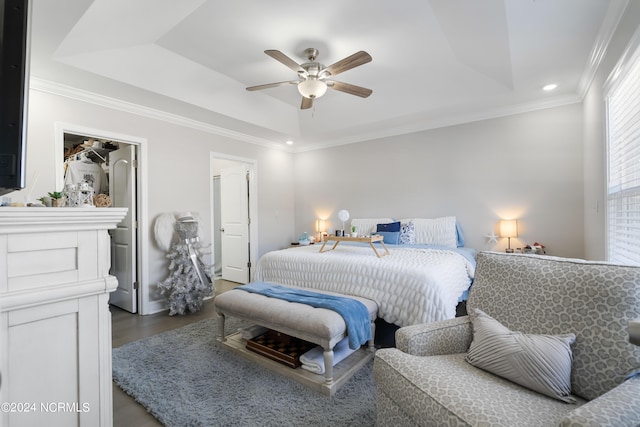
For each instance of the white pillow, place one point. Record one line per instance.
(367, 226)
(437, 231)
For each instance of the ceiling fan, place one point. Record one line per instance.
(314, 78)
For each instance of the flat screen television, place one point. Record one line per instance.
(14, 90)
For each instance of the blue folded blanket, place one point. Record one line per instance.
(354, 313)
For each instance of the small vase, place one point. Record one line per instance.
(354, 234)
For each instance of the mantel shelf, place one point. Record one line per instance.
(38, 219)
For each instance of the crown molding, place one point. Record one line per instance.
(70, 92)
(459, 119)
(605, 34)
(390, 131)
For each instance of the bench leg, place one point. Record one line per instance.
(370, 343)
(328, 366)
(220, 322)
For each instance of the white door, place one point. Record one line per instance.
(122, 189)
(234, 219)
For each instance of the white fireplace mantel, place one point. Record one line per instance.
(55, 324)
(34, 220)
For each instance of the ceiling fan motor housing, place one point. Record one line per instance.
(311, 53)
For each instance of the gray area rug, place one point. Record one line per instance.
(185, 377)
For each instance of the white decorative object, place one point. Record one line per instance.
(55, 342)
(79, 195)
(188, 282)
(343, 215)
(493, 237)
(164, 231)
(303, 240)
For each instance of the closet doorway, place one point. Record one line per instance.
(110, 165)
(234, 230)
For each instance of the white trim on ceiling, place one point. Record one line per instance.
(453, 120)
(607, 29)
(129, 107)
(113, 103)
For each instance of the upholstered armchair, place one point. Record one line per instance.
(556, 328)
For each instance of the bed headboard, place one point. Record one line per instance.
(443, 231)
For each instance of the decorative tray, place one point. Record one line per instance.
(280, 347)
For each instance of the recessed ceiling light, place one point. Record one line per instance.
(289, 142)
(549, 87)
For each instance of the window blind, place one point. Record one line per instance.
(623, 171)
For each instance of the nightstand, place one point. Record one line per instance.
(297, 245)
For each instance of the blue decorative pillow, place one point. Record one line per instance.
(393, 226)
(407, 234)
(390, 237)
(459, 236)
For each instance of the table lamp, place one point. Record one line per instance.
(321, 228)
(509, 229)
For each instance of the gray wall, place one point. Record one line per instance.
(178, 170)
(527, 166)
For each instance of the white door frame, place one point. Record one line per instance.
(142, 190)
(253, 206)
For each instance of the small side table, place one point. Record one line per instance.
(370, 240)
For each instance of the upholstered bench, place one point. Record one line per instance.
(317, 325)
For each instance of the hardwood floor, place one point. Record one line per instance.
(127, 327)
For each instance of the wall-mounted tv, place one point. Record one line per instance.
(14, 90)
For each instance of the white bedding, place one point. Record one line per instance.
(411, 285)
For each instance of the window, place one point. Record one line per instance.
(622, 98)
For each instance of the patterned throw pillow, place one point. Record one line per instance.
(407, 233)
(539, 362)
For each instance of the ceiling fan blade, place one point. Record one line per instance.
(306, 103)
(355, 60)
(360, 91)
(268, 85)
(284, 59)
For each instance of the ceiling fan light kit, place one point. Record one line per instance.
(313, 76)
(312, 88)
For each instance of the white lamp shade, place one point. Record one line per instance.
(312, 88)
(508, 228)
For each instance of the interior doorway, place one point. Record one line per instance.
(233, 225)
(116, 165)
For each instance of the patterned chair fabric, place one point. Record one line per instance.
(426, 381)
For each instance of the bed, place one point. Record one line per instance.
(421, 280)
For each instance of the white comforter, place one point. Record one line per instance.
(410, 285)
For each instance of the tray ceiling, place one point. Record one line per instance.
(435, 62)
